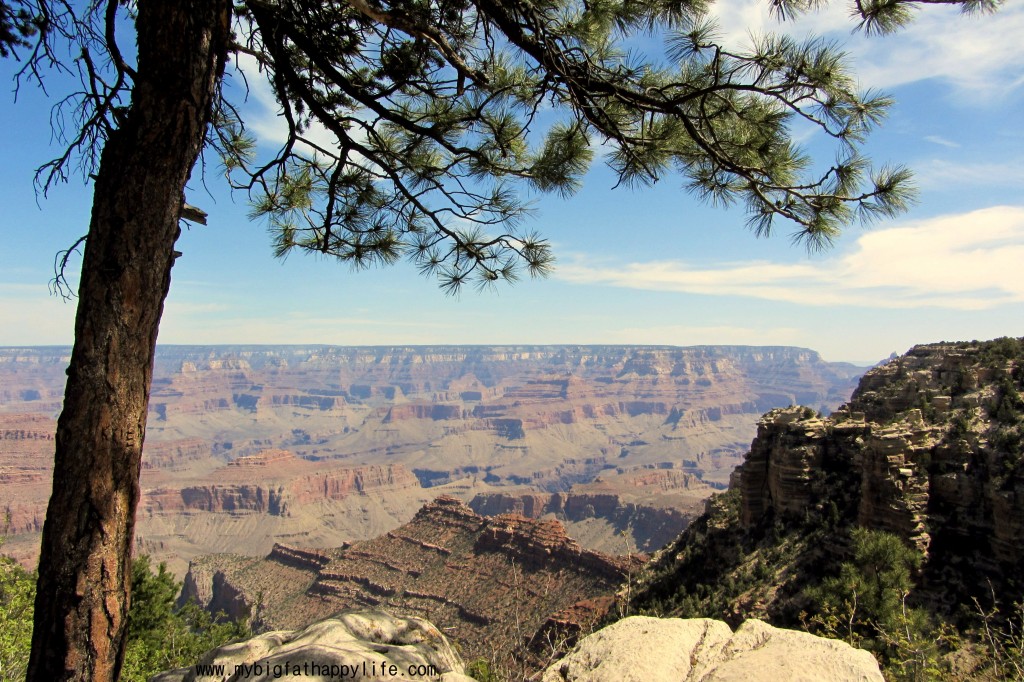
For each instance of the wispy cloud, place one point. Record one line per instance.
(262, 112)
(936, 139)
(707, 335)
(981, 54)
(964, 262)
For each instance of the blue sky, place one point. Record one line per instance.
(650, 266)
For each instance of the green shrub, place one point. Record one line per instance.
(480, 670)
(17, 597)
(160, 636)
(866, 605)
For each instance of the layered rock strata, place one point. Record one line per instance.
(648, 527)
(546, 418)
(928, 448)
(274, 481)
(491, 583)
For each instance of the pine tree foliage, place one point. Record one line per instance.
(16, 27)
(441, 117)
(160, 635)
(17, 590)
(440, 111)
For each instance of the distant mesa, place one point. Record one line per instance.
(465, 420)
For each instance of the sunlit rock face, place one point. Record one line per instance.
(928, 448)
(497, 586)
(643, 649)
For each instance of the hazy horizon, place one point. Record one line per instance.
(379, 346)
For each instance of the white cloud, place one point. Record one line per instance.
(980, 54)
(937, 139)
(965, 262)
(262, 113)
(707, 335)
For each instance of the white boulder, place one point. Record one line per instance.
(353, 645)
(647, 649)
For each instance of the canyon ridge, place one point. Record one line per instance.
(316, 446)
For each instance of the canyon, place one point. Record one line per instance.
(928, 449)
(508, 589)
(248, 446)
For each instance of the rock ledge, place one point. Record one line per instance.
(640, 648)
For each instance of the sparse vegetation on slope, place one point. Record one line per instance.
(160, 636)
(895, 525)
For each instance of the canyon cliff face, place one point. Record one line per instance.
(638, 526)
(495, 586)
(275, 481)
(928, 448)
(462, 420)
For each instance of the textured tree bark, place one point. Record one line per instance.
(84, 567)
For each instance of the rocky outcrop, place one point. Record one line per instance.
(304, 559)
(211, 589)
(492, 584)
(176, 454)
(643, 649)
(649, 527)
(542, 543)
(564, 628)
(214, 498)
(351, 645)
(928, 448)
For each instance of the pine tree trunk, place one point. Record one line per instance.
(84, 567)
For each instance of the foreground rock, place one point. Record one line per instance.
(677, 650)
(351, 645)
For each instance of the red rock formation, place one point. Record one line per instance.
(296, 557)
(175, 454)
(917, 451)
(283, 485)
(487, 583)
(545, 416)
